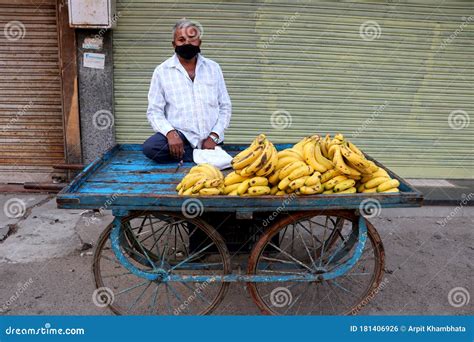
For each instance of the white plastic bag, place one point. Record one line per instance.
(217, 157)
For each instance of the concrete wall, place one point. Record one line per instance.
(96, 101)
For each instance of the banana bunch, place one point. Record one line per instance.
(260, 159)
(378, 181)
(202, 179)
(238, 185)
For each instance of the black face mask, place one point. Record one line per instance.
(187, 51)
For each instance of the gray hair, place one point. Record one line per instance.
(186, 23)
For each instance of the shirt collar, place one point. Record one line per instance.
(174, 62)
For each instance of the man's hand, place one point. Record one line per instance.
(175, 144)
(209, 144)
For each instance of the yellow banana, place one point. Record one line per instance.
(393, 183)
(375, 182)
(229, 188)
(191, 178)
(314, 179)
(243, 187)
(188, 191)
(233, 193)
(199, 185)
(298, 183)
(339, 137)
(208, 169)
(373, 167)
(289, 152)
(327, 192)
(344, 185)
(233, 178)
(259, 162)
(341, 166)
(255, 181)
(285, 161)
(332, 182)
(180, 192)
(248, 151)
(380, 173)
(305, 170)
(210, 191)
(325, 145)
(355, 149)
(280, 193)
(273, 190)
(274, 178)
(284, 183)
(330, 174)
(271, 163)
(249, 159)
(258, 190)
(369, 190)
(298, 147)
(311, 190)
(351, 190)
(361, 188)
(213, 183)
(290, 167)
(322, 160)
(310, 158)
(392, 190)
(331, 151)
(354, 158)
(179, 186)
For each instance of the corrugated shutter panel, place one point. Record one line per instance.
(31, 128)
(392, 94)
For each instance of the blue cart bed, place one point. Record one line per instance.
(124, 179)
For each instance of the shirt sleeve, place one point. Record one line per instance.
(156, 106)
(225, 107)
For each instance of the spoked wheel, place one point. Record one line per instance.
(315, 243)
(160, 244)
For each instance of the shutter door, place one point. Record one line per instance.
(390, 76)
(31, 126)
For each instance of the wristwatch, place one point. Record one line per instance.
(214, 138)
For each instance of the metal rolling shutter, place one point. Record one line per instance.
(392, 95)
(31, 126)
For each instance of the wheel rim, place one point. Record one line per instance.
(315, 242)
(152, 248)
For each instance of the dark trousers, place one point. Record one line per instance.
(156, 148)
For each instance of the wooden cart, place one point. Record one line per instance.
(169, 254)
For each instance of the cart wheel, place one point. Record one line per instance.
(315, 243)
(160, 243)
